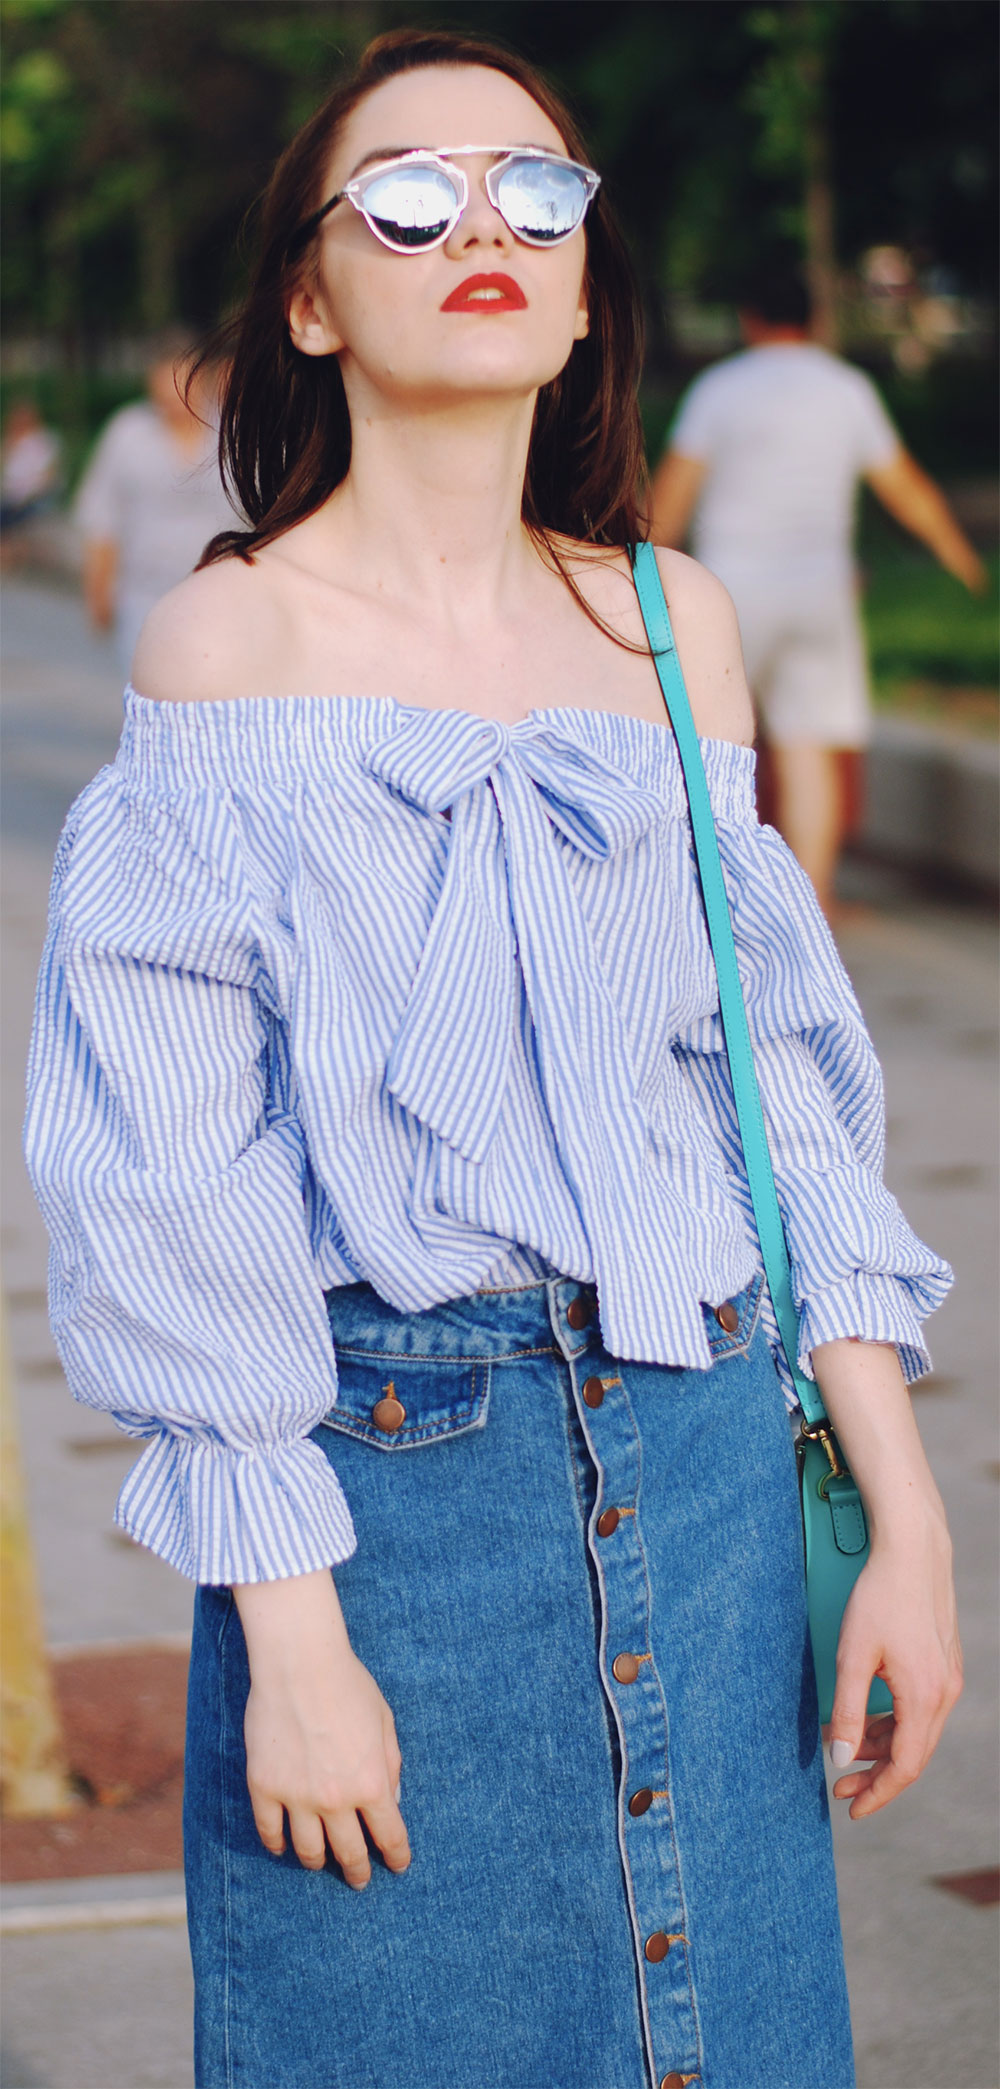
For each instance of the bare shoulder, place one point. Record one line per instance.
(704, 624)
(208, 639)
(708, 646)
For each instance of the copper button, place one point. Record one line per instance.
(579, 1312)
(656, 1946)
(593, 1391)
(677, 2081)
(607, 1523)
(640, 1802)
(625, 1668)
(389, 1414)
(727, 1317)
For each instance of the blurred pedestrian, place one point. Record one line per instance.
(151, 497)
(765, 455)
(30, 473)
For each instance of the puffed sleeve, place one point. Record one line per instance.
(858, 1269)
(183, 1295)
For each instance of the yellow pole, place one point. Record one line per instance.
(33, 1776)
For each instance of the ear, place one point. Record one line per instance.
(581, 324)
(309, 324)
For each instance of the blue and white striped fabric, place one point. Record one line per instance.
(298, 1027)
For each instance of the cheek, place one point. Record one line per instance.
(368, 315)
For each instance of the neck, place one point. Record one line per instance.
(183, 427)
(431, 506)
(758, 335)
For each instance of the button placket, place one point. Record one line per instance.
(646, 1828)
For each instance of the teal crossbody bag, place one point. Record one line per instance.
(835, 1528)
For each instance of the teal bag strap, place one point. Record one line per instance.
(746, 1094)
(834, 1524)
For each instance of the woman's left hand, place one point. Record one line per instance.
(900, 1624)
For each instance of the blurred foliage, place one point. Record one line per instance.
(924, 629)
(136, 135)
(137, 132)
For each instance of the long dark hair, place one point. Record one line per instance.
(285, 434)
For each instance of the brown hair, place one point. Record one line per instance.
(285, 434)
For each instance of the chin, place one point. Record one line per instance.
(479, 369)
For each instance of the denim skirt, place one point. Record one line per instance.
(579, 1585)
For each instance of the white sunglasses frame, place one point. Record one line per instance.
(353, 191)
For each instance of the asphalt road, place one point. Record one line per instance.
(102, 2006)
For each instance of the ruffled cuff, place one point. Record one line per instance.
(221, 1515)
(865, 1307)
(874, 1308)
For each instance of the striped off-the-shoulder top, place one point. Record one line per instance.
(341, 989)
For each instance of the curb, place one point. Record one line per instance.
(120, 1901)
(933, 801)
(149, 1643)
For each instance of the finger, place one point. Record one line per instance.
(393, 1755)
(880, 1728)
(855, 1668)
(876, 1747)
(911, 1750)
(270, 1820)
(343, 1831)
(387, 1828)
(306, 1830)
(849, 1787)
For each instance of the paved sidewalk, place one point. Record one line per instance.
(111, 2006)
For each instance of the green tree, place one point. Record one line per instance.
(136, 133)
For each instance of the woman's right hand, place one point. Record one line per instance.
(320, 1737)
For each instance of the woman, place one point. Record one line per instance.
(378, 1004)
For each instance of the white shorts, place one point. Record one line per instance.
(805, 659)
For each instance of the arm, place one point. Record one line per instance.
(915, 501)
(180, 1259)
(862, 1284)
(900, 1622)
(676, 485)
(99, 512)
(100, 580)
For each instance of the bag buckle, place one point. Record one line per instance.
(821, 1432)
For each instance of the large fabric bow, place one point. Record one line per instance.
(517, 795)
(533, 812)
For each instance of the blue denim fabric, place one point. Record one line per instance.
(514, 1952)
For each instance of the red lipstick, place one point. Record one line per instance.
(486, 294)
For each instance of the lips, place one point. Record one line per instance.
(486, 294)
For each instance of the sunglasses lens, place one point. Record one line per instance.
(541, 199)
(411, 206)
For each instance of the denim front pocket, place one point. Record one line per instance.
(399, 1402)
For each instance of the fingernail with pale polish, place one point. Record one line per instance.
(841, 1753)
(398, 1791)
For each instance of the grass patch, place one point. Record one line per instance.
(933, 647)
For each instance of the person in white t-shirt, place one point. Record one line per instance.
(764, 457)
(151, 497)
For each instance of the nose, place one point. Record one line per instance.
(479, 224)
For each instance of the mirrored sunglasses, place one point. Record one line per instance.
(414, 202)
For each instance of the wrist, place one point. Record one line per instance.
(292, 1624)
(905, 1512)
